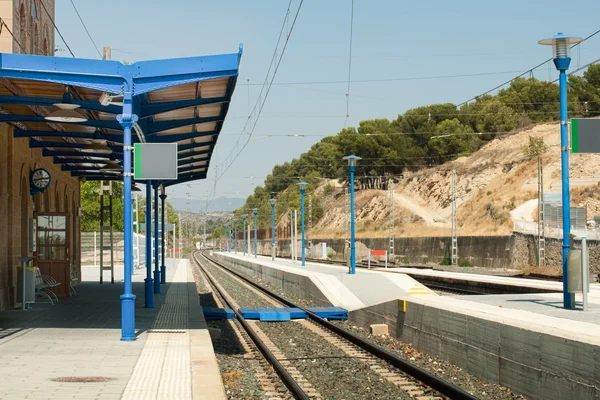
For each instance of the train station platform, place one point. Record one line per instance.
(526, 342)
(330, 285)
(72, 350)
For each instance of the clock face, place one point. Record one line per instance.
(40, 178)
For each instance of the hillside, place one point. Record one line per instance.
(491, 183)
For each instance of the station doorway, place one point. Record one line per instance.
(53, 256)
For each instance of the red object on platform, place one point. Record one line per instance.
(378, 253)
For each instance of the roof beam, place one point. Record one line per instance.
(80, 168)
(95, 174)
(160, 126)
(28, 133)
(36, 118)
(182, 136)
(151, 109)
(192, 154)
(48, 102)
(58, 160)
(192, 168)
(191, 161)
(38, 144)
(58, 153)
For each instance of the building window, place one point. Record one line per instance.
(22, 29)
(33, 9)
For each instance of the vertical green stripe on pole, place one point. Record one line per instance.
(137, 161)
(574, 135)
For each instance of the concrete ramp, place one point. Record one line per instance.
(327, 284)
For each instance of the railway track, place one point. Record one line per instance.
(302, 352)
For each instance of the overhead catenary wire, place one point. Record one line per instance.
(524, 73)
(86, 29)
(57, 30)
(11, 34)
(266, 89)
(349, 64)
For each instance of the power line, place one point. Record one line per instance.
(526, 72)
(11, 34)
(56, 27)
(86, 29)
(349, 65)
(258, 107)
(414, 78)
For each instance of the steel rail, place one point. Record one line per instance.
(286, 378)
(434, 382)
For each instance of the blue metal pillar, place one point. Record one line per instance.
(163, 268)
(156, 243)
(149, 294)
(562, 64)
(255, 235)
(127, 120)
(228, 238)
(352, 241)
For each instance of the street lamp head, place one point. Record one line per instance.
(352, 159)
(561, 44)
(273, 201)
(244, 216)
(303, 186)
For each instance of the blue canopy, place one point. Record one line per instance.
(183, 101)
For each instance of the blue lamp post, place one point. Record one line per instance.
(149, 282)
(255, 211)
(302, 191)
(244, 233)
(273, 201)
(561, 49)
(352, 159)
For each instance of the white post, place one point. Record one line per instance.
(585, 272)
(95, 244)
(296, 235)
(174, 240)
(248, 241)
(369, 262)
(291, 236)
(137, 230)
(386, 258)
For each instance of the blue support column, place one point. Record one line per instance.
(127, 119)
(255, 235)
(562, 64)
(163, 268)
(156, 242)
(149, 293)
(352, 241)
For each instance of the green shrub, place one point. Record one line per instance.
(328, 189)
(446, 261)
(465, 263)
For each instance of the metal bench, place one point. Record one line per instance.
(44, 285)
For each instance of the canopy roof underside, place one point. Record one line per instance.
(183, 101)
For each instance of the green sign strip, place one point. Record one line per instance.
(574, 135)
(137, 161)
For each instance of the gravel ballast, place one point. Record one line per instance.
(331, 372)
(432, 364)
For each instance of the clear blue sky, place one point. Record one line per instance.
(392, 39)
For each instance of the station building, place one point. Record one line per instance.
(30, 22)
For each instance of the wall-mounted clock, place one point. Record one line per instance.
(39, 180)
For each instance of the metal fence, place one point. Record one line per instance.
(90, 248)
(531, 228)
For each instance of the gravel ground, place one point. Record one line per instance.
(236, 371)
(332, 373)
(432, 364)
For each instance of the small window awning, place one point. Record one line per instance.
(183, 101)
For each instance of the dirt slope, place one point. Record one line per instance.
(491, 183)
